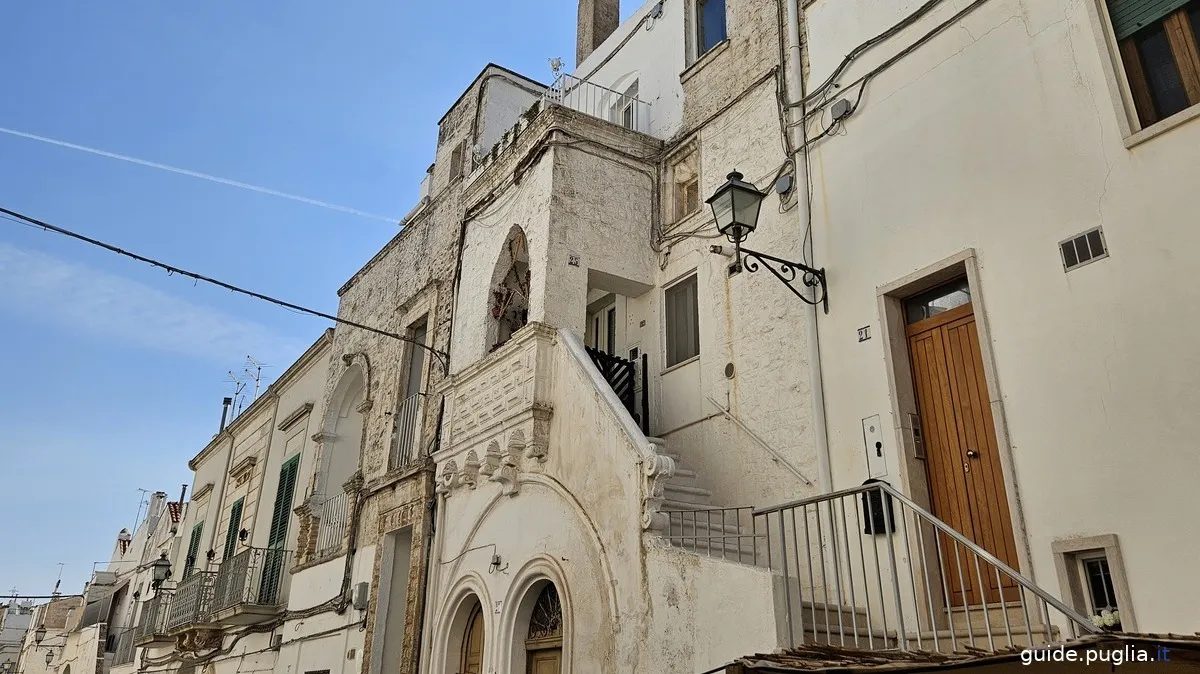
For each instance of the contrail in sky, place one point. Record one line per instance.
(197, 174)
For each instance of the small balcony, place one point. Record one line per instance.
(192, 602)
(152, 622)
(124, 648)
(249, 588)
(405, 438)
(333, 518)
(621, 108)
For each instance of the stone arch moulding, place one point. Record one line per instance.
(508, 296)
(452, 624)
(344, 428)
(523, 593)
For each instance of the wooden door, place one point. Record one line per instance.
(962, 462)
(545, 662)
(472, 649)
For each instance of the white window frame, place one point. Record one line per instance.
(692, 275)
(1069, 554)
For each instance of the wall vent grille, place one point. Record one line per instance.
(1083, 249)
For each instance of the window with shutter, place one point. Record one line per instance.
(189, 563)
(231, 534)
(1160, 50)
(283, 503)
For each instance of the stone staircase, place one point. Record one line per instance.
(695, 524)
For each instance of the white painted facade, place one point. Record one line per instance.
(987, 146)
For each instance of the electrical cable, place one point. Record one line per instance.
(443, 357)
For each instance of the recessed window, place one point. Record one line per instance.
(1083, 248)
(710, 18)
(1160, 48)
(626, 113)
(686, 181)
(456, 160)
(1098, 579)
(683, 326)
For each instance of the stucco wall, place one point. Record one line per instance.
(1002, 135)
(652, 53)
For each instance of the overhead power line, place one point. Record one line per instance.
(442, 356)
(197, 174)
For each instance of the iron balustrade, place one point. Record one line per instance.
(731, 534)
(404, 433)
(601, 102)
(622, 376)
(153, 619)
(331, 527)
(192, 601)
(123, 654)
(254, 577)
(867, 567)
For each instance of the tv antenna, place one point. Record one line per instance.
(141, 502)
(238, 387)
(253, 370)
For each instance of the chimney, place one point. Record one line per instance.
(597, 20)
(225, 403)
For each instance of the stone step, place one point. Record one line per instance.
(682, 523)
(674, 491)
(675, 504)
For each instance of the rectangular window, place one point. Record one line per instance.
(189, 562)
(685, 176)
(710, 17)
(282, 511)
(1160, 48)
(610, 346)
(231, 534)
(456, 160)
(683, 326)
(1098, 578)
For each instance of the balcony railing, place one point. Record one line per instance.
(622, 376)
(404, 433)
(153, 619)
(622, 109)
(331, 528)
(123, 654)
(868, 568)
(192, 601)
(254, 577)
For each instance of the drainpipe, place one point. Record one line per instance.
(795, 93)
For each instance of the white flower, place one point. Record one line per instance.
(1097, 621)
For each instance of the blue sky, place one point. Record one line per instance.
(113, 371)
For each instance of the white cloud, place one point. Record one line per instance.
(92, 301)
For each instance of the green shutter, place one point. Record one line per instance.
(1130, 16)
(235, 523)
(193, 549)
(283, 503)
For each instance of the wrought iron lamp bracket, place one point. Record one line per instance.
(792, 274)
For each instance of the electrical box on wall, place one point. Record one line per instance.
(362, 596)
(874, 446)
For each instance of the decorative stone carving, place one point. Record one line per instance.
(539, 445)
(449, 478)
(470, 470)
(656, 470)
(492, 459)
(506, 473)
(198, 640)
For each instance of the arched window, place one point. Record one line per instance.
(508, 297)
(471, 659)
(543, 642)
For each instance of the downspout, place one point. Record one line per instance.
(795, 93)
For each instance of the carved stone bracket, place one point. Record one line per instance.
(539, 445)
(197, 641)
(470, 470)
(449, 478)
(656, 470)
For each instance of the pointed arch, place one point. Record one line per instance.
(508, 293)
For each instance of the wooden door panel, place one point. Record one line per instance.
(947, 483)
(966, 481)
(985, 478)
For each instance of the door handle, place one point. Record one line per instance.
(972, 454)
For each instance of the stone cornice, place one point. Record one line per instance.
(243, 468)
(296, 415)
(202, 493)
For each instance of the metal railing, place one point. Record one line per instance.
(404, 432)
(153, 618)
(192, 601)
(622, 376)
(725, 533)
(331, 527)
(123, 654)
(254, 576)
(591, 99)
(869, 568)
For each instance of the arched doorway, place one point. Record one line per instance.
(471, 657)
(544, 638)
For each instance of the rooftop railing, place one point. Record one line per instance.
(623, 109)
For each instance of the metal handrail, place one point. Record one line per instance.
(404, 432)
(331, 525)
(599, 101)
(254, 576)
(882, 519)
(716, 545)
